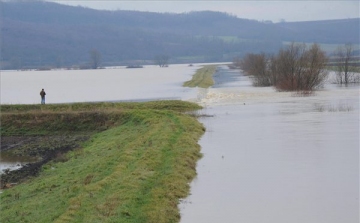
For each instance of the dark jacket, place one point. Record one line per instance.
(42, 93)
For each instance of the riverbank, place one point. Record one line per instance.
(202, 78)
(137, 163)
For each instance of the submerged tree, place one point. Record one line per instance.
(315, 73)
(300, 68)
(162, 60)
(294, 68)
(344, 75)
(95, 59)
(256, 65)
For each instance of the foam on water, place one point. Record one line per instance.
(277, 157)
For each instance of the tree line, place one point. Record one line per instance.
(296, 67)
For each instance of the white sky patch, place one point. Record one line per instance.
(257, 10)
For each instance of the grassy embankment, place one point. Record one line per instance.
(134, 168)
(202, 78)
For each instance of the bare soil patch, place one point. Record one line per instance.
(45, 148)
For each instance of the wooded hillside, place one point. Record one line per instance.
(42, 34)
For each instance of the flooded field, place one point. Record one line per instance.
(275, 157)
(268, 156)
(113, 84)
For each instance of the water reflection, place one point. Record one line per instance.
(12, 162)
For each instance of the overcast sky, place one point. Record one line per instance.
(275, 11)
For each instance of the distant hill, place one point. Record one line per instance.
(41, 34)
(328, 31)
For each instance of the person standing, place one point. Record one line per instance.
(42, 94)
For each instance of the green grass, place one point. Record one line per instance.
(330, 48)
(135, 171)
(173, 105)
(234, 39)
(226, 39)
(202, 78)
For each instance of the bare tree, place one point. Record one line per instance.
(162, 60)
(273, 67)
(294, 68)
(343, 64)
(290, 67)
(247, 63)
(261, 67)
(260, 71)
(301, 69)
(314, 74)
(95, 59)
(236, 63)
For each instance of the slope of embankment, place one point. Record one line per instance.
(133, 164)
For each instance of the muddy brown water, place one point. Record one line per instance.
(11, 162)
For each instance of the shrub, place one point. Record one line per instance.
(294, 68)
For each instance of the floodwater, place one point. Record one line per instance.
(113, 84)
(11, 162)
(268, 156)
(276, 157)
